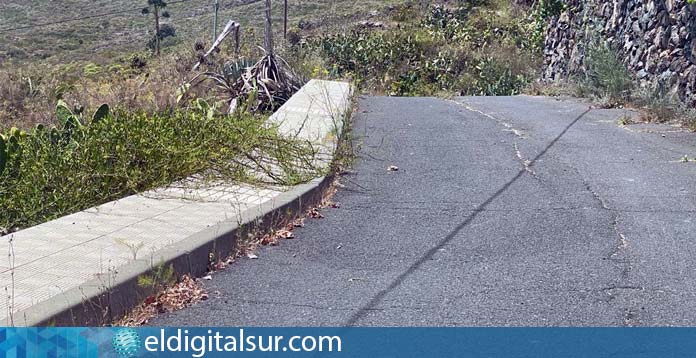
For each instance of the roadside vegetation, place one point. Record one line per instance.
(472, 48)
(49, 172)
(609, 84)
(164, 124)
(476, 47)
(78, 133)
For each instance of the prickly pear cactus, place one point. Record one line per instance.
(3, 153)
(54, 135)
(13, 140)
(72, 128)
(12, 149)
(63, 112)
(101, 113)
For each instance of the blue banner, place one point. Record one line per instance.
(347, 342)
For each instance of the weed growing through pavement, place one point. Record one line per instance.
(100, 306)
(161, 276)
(10, 291)
(624, 120)
(133, 247)
(174, 294)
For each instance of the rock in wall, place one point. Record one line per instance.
(656, 40)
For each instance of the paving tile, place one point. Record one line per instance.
(40, 265)
(36, 281)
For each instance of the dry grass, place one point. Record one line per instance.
(29, 95)
(110, 64)
(188, 291)
(102, 39)
(184, 293)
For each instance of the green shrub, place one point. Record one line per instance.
(472, 49)
(493, 77)
(606, 77)
(50, 172)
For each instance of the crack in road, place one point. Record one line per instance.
(508, 126)
(379, 297)
(526, 164)
(619, 253)
(622, 243)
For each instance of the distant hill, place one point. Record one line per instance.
(107, 28)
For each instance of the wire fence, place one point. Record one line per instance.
(109, 29)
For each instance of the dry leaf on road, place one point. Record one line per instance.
(285, 234)
(314, 213)
(299, 222)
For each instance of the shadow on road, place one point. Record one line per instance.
(447, 239)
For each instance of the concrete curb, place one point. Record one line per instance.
(98, 301)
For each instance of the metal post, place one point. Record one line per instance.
(285, 21)
(157, 31)
(216, 7)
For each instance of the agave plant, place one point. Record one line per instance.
(271, 80)
(235, 69)
(221, 82)
(263, 85)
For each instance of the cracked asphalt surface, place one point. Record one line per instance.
(505, 211)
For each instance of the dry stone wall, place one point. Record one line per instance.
(656, 40)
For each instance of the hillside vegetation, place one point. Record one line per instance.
(396, 47)
(471, 48)
(87, 123)
(102, 39)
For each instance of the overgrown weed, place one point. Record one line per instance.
(606, 76)
(53, 172)
(472, 48)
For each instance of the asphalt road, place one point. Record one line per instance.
(505, 211)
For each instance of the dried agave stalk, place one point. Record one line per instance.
(264, 86)
(268, 83)
(271, 81)
(231, 27)
(268, 35)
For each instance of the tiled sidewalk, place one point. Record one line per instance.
(49, 259)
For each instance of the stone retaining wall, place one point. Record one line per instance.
(656, 40)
